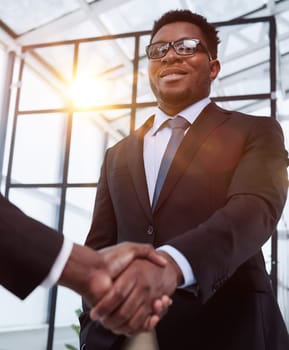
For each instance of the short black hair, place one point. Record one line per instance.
(209, 31)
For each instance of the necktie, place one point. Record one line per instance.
(178, 126)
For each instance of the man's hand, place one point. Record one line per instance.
(91, 273)
(128, 306)
(86, 274)
(117, 258)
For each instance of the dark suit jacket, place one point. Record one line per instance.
(28, 250)
(221, 201)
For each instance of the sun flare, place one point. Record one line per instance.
(86, 91)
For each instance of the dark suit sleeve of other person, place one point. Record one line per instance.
(28, 250)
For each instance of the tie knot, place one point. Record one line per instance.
(178, 123)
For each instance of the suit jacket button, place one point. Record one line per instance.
(150, 230)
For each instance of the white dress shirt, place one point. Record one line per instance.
(59, 264)
(155, 143)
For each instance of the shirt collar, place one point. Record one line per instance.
(190, 114)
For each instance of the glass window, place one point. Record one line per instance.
(40, 203)
(107, 66)
(46, 77)
(87, 148)
(78, 213)
(39, 147)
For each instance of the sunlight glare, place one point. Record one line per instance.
(86, 91)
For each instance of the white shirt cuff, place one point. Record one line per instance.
(183, 263)
(59, 264)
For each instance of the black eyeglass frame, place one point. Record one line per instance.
(172, 44)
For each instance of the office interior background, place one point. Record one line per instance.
(73, 82)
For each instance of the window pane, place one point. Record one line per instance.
(254, 107)
(143, 114)
(41, 88)
(38, 149)
(244, 56)
(109, 64)
(30, 312)
(78, 216)
(67, 304)
(78, 213)
(87, 148)
(40, 203)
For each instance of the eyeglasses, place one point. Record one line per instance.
(183, 47)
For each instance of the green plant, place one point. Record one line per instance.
(76, 329)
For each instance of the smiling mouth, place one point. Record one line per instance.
(171, 77)
(167, 73)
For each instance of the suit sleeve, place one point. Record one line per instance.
(28, 250)
(255, 199)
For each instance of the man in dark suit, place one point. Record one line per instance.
(220, 202)
(33, 254)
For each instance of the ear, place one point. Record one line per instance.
(215, 68)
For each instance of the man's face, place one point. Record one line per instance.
(178, 81)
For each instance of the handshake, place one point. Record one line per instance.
(128, 286)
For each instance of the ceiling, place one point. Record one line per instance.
(34, 21)
(26, 22)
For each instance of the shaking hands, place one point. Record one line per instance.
(128, 285)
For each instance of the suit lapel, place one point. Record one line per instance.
(136, 165)
(210, 118)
